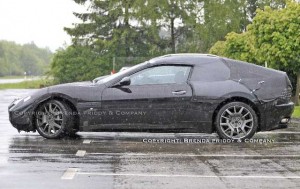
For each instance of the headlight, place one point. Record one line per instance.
(17, 101)
(27, 98)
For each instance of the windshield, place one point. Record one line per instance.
(112, 77)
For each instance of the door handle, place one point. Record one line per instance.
(179, 92)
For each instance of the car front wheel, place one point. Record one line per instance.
(237, 121)
(53, 119)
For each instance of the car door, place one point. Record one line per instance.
(125, 105)
(156, 98)
(168, 91)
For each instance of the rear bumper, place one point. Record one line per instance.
(273, 114)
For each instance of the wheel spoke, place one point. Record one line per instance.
(241, 110)
(227, 129)
(46, 111)
(44, 119)
(56, 125)
(227, 124)
(227, 118)
(58, 119)
(43, 126)
(229, 112)
(231, 133)
(55, 108)
(246, 114)
(243, 130)
(50, 108)
(224, 124)
(49, 129)
(248, 120)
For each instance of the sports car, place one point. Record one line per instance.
(172, 93)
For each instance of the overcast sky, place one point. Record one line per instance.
(41, 21)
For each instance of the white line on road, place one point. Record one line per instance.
(80, 153)
(286, 142)
(69, 174)
(189, 176)
(87, 141)
(279, 132)
(198, 155)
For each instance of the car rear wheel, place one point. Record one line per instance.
(237, 121)
(54, 119)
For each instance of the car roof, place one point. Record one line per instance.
(185, 58)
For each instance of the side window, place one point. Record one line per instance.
(161, 75)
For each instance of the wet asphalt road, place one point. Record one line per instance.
(130, 160)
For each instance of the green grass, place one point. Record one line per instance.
(296, 113)
(15, 77)
(29, 84)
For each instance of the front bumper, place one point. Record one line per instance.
(275, 113)
(21, 118)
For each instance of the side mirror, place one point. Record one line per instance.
(125, 81)
(95, 81)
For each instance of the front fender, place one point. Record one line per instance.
(49, 96)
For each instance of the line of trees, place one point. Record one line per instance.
(16, 59)
(141, 29)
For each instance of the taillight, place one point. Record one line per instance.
(286, 95)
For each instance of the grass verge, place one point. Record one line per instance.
(15, 77)
(296, 113)
(29, 84)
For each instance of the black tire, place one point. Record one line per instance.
(241, 124)
(54, 119)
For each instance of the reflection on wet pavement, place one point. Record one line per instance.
(133, 160)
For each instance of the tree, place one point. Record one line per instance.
(16, 59)
(277, 38)
(175, 17)
(237, 46)
(219, 48)
(111, 26)
(77, 63)
(234, 17)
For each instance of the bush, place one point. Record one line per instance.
(78, 63)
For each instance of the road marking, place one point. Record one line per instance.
(279, 132)
(87, 141)
(80, 153)
(286, 142)
(190, 176)
(197, 155)
(69, 174)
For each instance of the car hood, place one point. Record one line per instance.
(82, 83)
(79, 91)
(75, 92)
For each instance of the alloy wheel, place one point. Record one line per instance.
(49, 119)
(236, 122)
